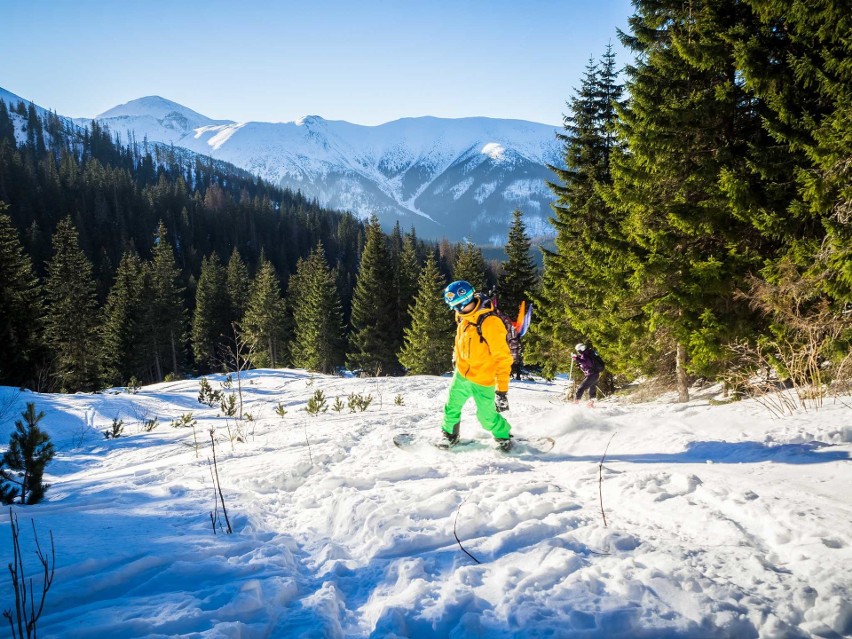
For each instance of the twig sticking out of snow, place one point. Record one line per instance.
(218, 487)
(458, 541)
(600, 479)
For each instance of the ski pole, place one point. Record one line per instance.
(571, 378)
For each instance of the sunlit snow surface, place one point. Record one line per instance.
(722, 521)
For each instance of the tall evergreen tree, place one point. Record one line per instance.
(263, 324)
(238, 283)
(428, 345)
(795, 59)
(71, 325)
(373, 343)
(408, 272)
(687, 122)
(122, 330)
(519, 277)
(21, 311)
(166, 317)
(583, 277)
(317, 315)
(210, 326)
(470, 266)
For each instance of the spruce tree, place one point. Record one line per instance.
(317, 315)
(21, 311)
(122, 330)
(519, 277)
(687, 124)
(210, 326)
(408, 272)
(263, 324)
(373, 343)
(166, 316)
(238, 283)
(583, 278)
(71, 325)
(22, 465)
(428, 345)
(470, 266)
(796, 62)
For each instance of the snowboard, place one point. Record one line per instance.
(413, 441)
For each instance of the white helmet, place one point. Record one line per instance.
(580, 348)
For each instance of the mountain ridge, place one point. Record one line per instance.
(449, 178)
(458, 178)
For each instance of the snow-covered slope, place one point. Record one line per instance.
(446, 177)
(721, 521)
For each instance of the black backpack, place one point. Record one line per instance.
(512, 337)
(597, 361)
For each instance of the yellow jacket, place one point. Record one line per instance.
(486, 361)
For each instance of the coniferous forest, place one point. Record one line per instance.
(703, 213)
(702, 222)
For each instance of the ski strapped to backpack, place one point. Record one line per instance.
(514, 330)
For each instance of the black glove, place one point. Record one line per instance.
(501, 401)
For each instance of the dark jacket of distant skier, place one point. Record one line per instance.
(482, 364)
(592, 366)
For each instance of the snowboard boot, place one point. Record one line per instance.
(504, 444)
(451, 439)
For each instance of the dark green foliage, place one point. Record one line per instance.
(407, 273)
(470, 266)
(373, 343)
(123, 332)
(428, 345)
(22, 465)
(165, 309)
(238, 282)
(210, 325)
(519, 277)
(117, 195)
(583, 279)
(317, 316)
(263, 325)
(71, 323)
(21, 309)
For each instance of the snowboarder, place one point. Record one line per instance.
(482, 365)
(592, 366)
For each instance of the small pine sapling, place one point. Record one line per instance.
(132, 385)
(317, 404)
(280, 410)
(338, 405)
(208, 396)
(116, 430)
(22, 465)
(399, 400)
(184, 421)
(150, 424)
(358, 402)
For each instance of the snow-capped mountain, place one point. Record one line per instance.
(450, 178)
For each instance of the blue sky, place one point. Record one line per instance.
(364, 61)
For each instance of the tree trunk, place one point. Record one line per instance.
(682, 380)
(157, 367)
(174, 353)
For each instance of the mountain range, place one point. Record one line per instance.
(453, 178)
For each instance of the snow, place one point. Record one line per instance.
(722, 520)
(494, 150)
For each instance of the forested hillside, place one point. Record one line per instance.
(703, 220)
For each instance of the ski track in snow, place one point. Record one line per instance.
(723, 522)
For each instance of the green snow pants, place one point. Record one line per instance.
(461, 390)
